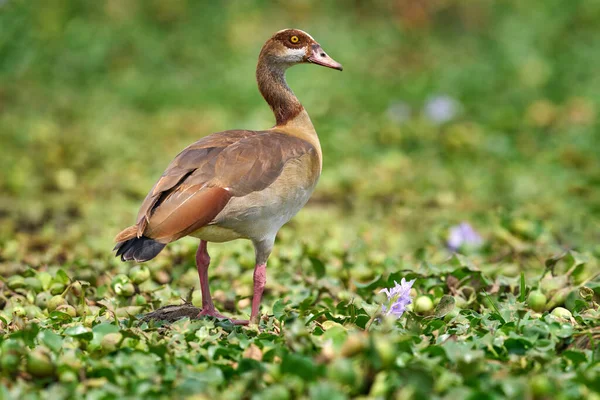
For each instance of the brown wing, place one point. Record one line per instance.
(202, 179)
(196, 157)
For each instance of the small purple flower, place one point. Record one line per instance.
(441, 108)
(398, 298)
(463, 235)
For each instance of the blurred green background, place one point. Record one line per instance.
(446, 111)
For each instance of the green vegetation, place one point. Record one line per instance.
(486, 112)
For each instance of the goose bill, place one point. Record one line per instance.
(319, 57)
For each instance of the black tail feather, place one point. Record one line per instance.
(139, 249)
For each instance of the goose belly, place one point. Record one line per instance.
(259, 215)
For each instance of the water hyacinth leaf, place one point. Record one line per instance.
(595, 286)
(576, 357)
(79, 331)
(445, 306)
(574, 259)
(212, 376)
(160, 350)
(51, 339)
(433, 325)
(299, 365)
(369, 285)
(60, 317)
(461, 351)
(372, 309)
(494, 306)
(545, 345)
(435, 351)
(580, 306)
(325, 391)
(558, 298)
(249, 364)
(104, 328)
(458, 260)
(551, 262)
(397, 276)
(307, 303)
(558, 329)
(62, 277)
(28, 334)
(216, 352)
(334, 332)
(317, 315)
(361, 321)
(343, 307)
(99, 331)
(421, 254)
(102, 375)
(279, 308)
(318, 267)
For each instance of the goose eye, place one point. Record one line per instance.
(294, 39)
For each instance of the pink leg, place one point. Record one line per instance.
(260, 278)
(208, 307)
(202, 263)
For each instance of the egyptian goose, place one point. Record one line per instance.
(239, 183)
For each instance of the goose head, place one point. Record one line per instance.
(292, 46)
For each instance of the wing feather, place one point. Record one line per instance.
(201, 180)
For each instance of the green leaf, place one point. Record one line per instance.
(575, 356)
(325, 391)
(51, 339)
(336, 333)
(445, 305)
(79, 331)
(105, 327)
(60, 317)
(372, 284)
(574, 259)
(304, 367)
(212, 376)
(279, 308)
(62, 277)
(494, 306)
(458, 260)
(193, 382)
(248, 364)
(318, 266)
(552, 261)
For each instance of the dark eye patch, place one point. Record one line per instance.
(286, 38)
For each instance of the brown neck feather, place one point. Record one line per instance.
(270, 76)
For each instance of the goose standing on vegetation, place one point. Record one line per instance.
(239, 183)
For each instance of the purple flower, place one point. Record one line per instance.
(463, 235)
(442, 108)
(398, 298)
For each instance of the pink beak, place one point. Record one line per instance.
(319, 57)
